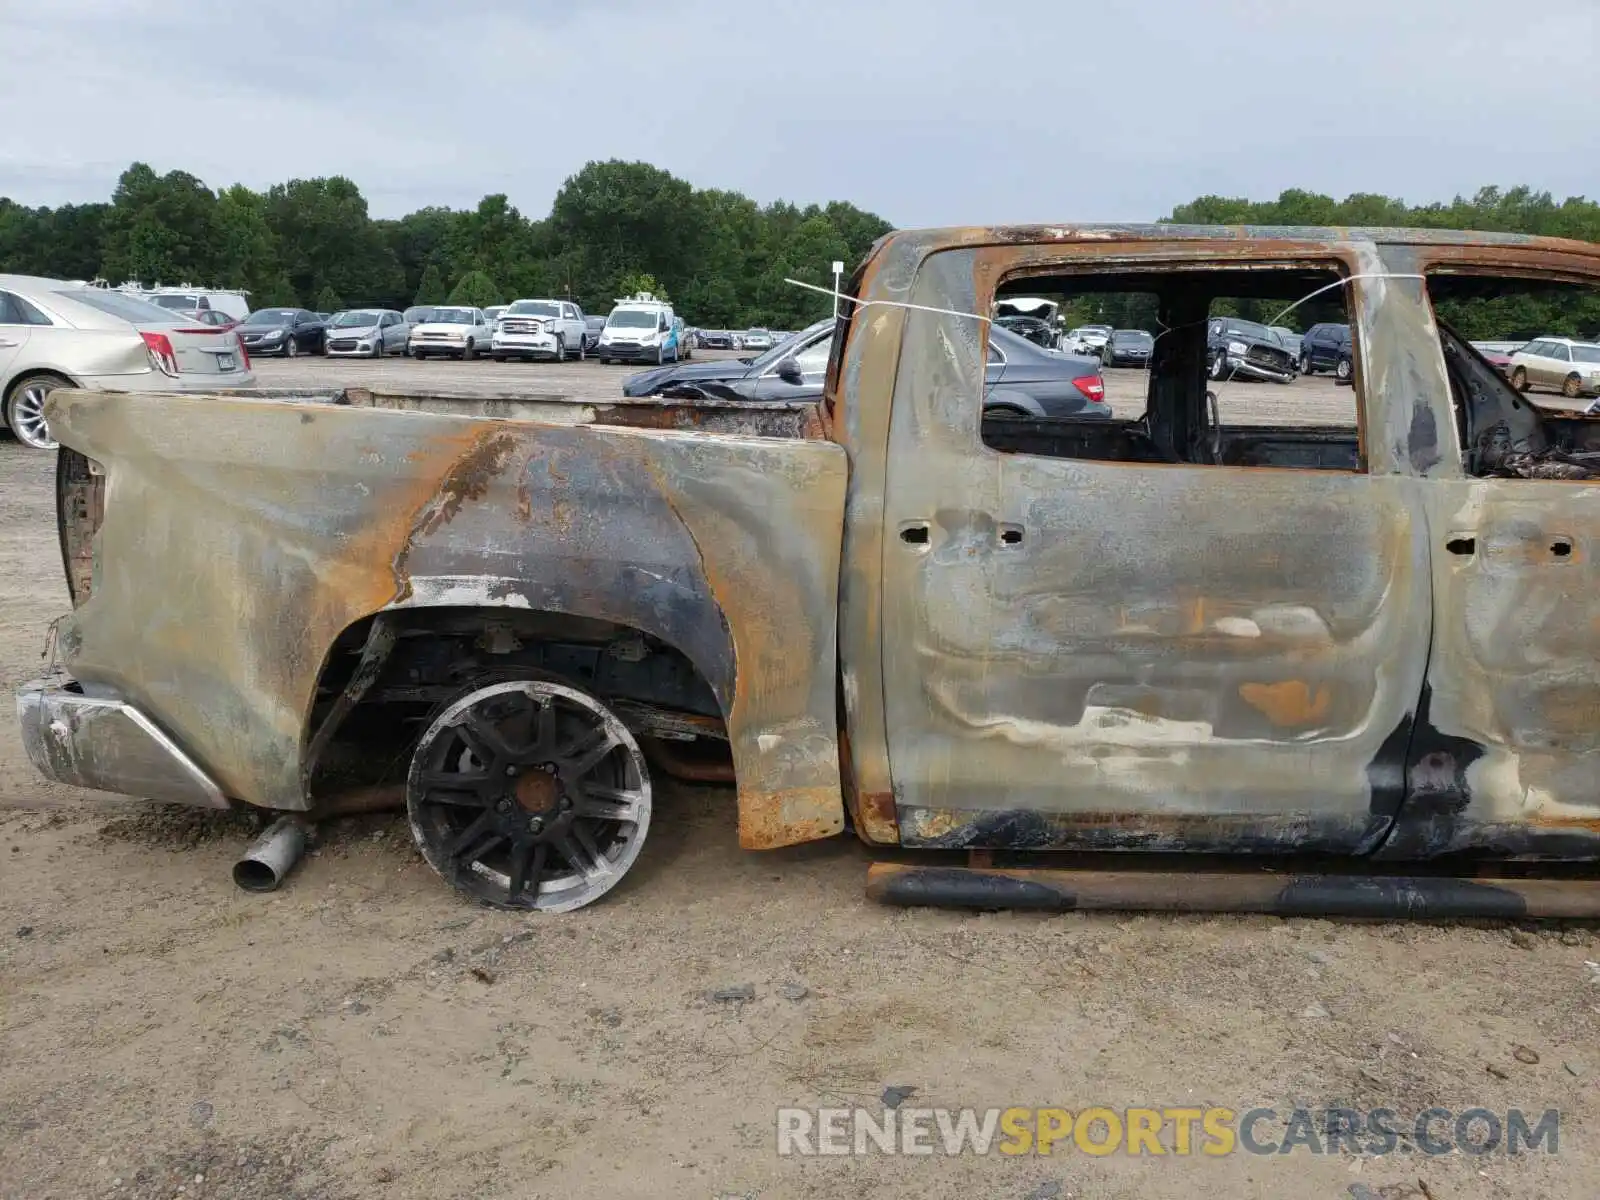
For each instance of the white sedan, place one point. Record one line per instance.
(59, 334)
(452, 332)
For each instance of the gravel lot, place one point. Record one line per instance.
(364, 1033)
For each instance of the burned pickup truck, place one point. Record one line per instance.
(1368, 638)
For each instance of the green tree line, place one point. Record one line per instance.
(1520, 313)
(719, 255)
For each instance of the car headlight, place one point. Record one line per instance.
(1237, 348)
(274, 336)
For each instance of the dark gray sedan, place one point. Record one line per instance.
(758, 377)
(1023, 380)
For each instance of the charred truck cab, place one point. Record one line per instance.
(1365, 638)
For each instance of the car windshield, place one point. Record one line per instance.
(271, 316)
(116, 304)
(181, 303)
(417, 315)
(1251, 329)
(1586, 354)
(361, 319)
(451, 316)
(534, 308)
(789, 345)
(632, 318)
(1133, 335)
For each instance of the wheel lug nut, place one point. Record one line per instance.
(503, 806)
(536, 824)
(511, 772)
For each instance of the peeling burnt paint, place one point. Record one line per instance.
(1028, 829)
(1179, 654)
(243, 542)
(1438, 789)
(467, 480)
(1018, 756)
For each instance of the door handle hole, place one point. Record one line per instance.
(1462, 545)
(1561, 547)
(914, 535)
(1011, 536)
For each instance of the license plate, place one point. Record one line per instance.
(225, 362)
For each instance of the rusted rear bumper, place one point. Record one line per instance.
(108, 745)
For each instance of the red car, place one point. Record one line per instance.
(1496, 357)
(213, 317)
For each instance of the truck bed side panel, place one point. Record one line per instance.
(240, 538)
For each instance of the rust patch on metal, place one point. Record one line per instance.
(1290, 703)
(1582, 824)
(871, 812)
(792, 421)
(768, 820)
(665, 754)
(877, 819)
(468, 479)
(537, 792)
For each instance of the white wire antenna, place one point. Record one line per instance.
(838, 296)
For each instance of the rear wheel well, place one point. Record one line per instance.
(41, 373)
(387, 674)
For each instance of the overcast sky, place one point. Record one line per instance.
(929, 112)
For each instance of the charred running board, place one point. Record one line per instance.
(1401, 897)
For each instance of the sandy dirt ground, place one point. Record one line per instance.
(365, 1033)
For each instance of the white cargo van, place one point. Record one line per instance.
(640, 329)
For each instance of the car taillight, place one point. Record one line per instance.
(1092, 386)
(244, 355)
(159, 349)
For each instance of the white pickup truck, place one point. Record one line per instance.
(539, 329)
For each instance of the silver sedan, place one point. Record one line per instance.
(58, 334)
(367, 333)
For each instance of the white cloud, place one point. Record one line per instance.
(927, 111)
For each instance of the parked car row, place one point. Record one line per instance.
(1236, 348)
(754, 338)
(640, 329)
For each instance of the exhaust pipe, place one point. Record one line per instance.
(269, 859)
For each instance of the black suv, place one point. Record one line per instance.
(1326, 347)
(1239, 349)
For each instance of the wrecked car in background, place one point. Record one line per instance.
(1246, 350)
(1368, 640)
